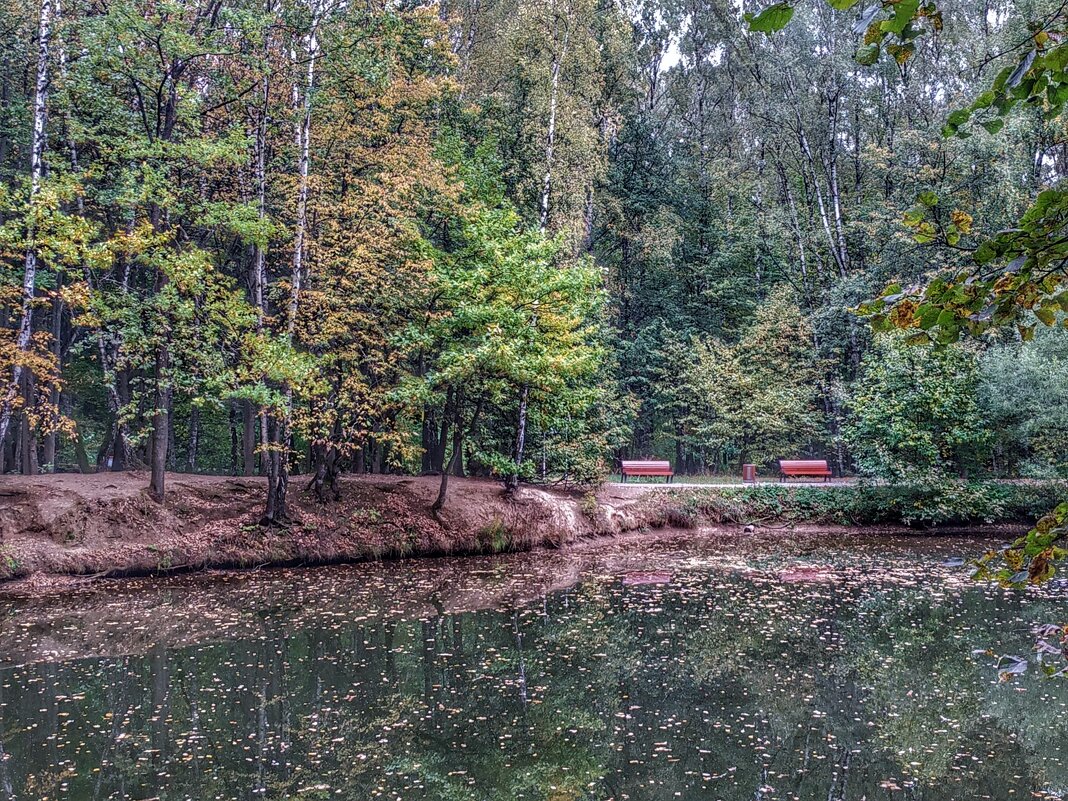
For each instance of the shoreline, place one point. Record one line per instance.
(104, 525)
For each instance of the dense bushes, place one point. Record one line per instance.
(949, 502)
(916, 412)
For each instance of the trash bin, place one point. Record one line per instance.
(749, 473)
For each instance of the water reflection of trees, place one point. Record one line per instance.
(716, 685)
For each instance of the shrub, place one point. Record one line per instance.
(944, 502)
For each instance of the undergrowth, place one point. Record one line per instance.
(937, 503)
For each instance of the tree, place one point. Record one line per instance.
(753, 401)
(1024, 393)
(511, 317)
(915, 413)
(24, 337)
(380, 190)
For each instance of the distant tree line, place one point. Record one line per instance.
(499, 239)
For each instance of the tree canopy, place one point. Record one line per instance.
(476, 238)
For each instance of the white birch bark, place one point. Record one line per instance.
(37, 155)
(550, 137)
(304, 166)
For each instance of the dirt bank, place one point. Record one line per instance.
(106, 525)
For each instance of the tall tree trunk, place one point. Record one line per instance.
(810, 160)
(172, 445)
(796, 224)
(427, 440)
(443, 435)
(235, 447)
(832, 178)
(550, 136)
(520, 439)
(27, 432)
(248, 438)
(37, 155)
(304, 166)
(79, 453)
(48, 447)
(258, 272)
(194, 440)
(275, 460)
(278, 462)
(160, 426)
(117, 441)
(443, 487)
(458, 444)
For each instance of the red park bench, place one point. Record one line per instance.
(816, 468)
(646, 469)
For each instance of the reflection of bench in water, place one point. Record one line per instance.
(646, 469)
(816, 468)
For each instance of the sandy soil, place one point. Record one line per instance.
(105, 524)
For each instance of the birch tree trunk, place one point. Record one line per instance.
(821, 203)
(37, 155)
(832, 175)
(795, 222)
(277, 458)
(550, 136)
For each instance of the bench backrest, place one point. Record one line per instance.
(803, 465)
(634, 467)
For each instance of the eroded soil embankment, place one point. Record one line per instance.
(105, 524)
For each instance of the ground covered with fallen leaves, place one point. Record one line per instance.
(106, 525)
(683, 666)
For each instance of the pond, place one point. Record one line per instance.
(675, 668)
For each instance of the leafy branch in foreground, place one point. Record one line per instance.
(892, 26)
(1018, 276)
(1031, 558)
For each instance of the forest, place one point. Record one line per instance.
(525, 240)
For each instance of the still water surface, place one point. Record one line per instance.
(675, 669)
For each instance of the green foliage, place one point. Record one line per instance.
(771, 19)
(915, 412)
(947, 502)
(514, 321)
(1024, 392)
(753, 401)
(893, 26)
